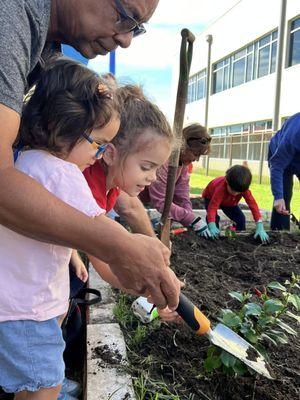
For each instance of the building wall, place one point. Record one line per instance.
(248, 21)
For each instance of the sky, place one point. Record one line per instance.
(150, 58)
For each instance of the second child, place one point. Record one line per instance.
(129, 164)
(225, 192)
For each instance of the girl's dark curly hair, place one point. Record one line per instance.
(66, 102)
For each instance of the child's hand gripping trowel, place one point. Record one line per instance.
(223, 337)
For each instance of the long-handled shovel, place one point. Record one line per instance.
(221, 335)
(187, 38)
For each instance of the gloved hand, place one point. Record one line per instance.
(200, 227)
(261, 233)
(214, 231)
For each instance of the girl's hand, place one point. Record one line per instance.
(169, 316)
(78, 266)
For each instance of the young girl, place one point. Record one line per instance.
(129, 164)
(65, 127)
(196, 142)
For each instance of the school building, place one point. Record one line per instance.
(232, 85)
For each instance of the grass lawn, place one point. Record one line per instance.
(262, 193)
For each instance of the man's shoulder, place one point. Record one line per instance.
(23, 31)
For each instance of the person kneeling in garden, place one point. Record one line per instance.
(225, 192)
(196, 142)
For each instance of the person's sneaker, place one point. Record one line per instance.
(65, 396)
(73, 388)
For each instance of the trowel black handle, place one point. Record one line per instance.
(192, 316)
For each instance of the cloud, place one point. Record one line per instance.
(191, 12)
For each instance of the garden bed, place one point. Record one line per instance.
(170, 357)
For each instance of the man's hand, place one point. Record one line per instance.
(200, 227)
(144, 268)
(214, 231)
(279, 206)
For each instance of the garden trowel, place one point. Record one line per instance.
(223, 337)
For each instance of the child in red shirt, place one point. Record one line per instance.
(225, 192)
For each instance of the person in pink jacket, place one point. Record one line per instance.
(196, 142)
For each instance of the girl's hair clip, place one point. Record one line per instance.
(104, 90)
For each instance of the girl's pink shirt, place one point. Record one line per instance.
(34, 282)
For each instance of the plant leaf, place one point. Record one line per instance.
(240, 368)
(295, 300)
(237, 295)
(251, 336)
(230, 319)
(227, 359)
(296, 317)
(252, 309)
(212, 363)
(265, 336)
(271, 306)
(278, 336)
(286, 328)
(276, 285)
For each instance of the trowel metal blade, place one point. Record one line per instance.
(230, 341)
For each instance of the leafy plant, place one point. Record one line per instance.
(230, 232)
(259, 320)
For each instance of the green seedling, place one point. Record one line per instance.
(258, 319)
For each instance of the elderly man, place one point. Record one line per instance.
(93, 27)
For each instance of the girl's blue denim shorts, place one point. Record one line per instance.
(31, 355)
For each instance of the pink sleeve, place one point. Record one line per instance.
(69, 185)
(181, 209)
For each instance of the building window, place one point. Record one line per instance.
(221, 75)
(197, 86)
(294, 46)
(251, 62)
(242, 141)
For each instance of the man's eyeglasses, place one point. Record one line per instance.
(127, 23)
(100, 148)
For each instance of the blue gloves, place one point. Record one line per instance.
(214, 231)
(200, 227)
(261, 233)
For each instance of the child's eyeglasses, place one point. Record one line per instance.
(100, 148)
(127, 23)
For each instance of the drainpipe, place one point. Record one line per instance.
(279, 62)
(209, 40)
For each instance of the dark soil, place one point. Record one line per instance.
(211, 270)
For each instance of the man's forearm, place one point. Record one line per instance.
(29, 209)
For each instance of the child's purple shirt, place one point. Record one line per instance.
(181, 208)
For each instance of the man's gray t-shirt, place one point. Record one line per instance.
(23, 31)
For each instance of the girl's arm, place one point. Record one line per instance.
(108, 276)
(133, 212)
(78, 266)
